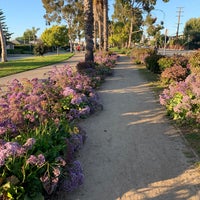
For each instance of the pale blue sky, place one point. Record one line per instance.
(25, 14)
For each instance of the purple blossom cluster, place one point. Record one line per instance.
(105, 59)
(75, 177)
(36, 115)
(182, 99)
(38, 161)
(174, 73)
(13, 149)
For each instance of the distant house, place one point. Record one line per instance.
(10, 45)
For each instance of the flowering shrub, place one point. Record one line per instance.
(38, 134)
(151, 62)
(182, 99)
(138, 55)
(194, 61)
(176, 59)
(165, 62)
(173, 74)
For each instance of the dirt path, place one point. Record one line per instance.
(132, 151)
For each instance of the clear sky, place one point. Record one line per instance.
(25, 14)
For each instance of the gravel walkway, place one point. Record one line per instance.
(132, 151)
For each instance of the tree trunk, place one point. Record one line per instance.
(105, 24)
(3, 46)
(100, 35)
(130, 33)
(89, 28)
(95, 35)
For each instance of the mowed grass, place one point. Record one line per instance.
(21, 65)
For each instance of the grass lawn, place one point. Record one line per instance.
(21, 65)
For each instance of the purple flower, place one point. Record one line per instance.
(29, 143)
(60, 161)
(38, 161)
(76, 100)
(68, 91)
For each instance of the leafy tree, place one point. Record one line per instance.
(71, 11)
(153, 29)
(56, 36)
(3, 45)
(132, 21)
(192, 32)
(7, 34)
(56, 11)
(40, 49)
(30, 35)
(131, 12)
(4, 36)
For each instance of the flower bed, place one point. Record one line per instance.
(39, 136)
(182, 94)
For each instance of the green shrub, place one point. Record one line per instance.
(151, 62)
(165, 62)
(176, 59)
(138, 55)
(194, 61)
(39, 49)
(10, 51)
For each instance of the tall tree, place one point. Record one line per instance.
(71, 11)
(7, 34)
(192, 32)
(105, 24)
(89, 28)
(30, 35)
(133, 9)
(3, 46)
(4, 35)
(100, 9)
(56, 36)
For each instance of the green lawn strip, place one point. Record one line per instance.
(21, 65)
(191, 134)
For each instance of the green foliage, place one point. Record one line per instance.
(30, 35)
(138, 55)
(194, 61)
(7, 35)
(39, 49)
(55, 36)
(176, 59)
(151, 62)
(165, 62)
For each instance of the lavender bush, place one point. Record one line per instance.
(182, 100)
(39, 137)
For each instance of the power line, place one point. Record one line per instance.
(180, 11)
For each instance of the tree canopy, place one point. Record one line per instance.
(192, 32)
(55, 36)
(131, 14)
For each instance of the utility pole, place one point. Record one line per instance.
(179, 19)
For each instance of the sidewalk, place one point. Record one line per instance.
(133, 152)
(40, 72)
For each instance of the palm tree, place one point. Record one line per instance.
(3, 46)
(101, 23)
(89, 28)
(105, 24)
